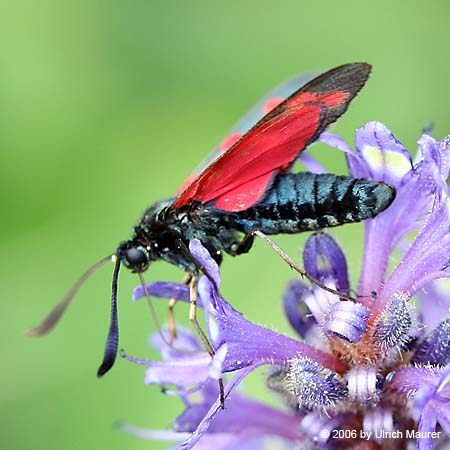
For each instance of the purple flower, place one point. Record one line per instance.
(245, 423)
(362, 373)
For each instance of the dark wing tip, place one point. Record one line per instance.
(348, 78)
(338, 87)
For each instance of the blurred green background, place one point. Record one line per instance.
(106, 107)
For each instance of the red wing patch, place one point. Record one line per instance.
(273, 146)
(238, 178)
(247, 194)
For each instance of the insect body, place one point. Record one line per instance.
(294, 203)
(249, 188)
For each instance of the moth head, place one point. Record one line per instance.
(135, 257)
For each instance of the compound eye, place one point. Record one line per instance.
(136, 258)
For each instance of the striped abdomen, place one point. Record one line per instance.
(305, 201)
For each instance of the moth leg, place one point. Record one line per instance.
(201, 334)
(171, 316)
(246, 244)
(297, 268)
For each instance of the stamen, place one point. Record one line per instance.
(348, 320)
(363, 384)
(297, 312)
(379, 421)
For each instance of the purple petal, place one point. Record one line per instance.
(404, 215)
(429, 253)
(297, 312)
(432, 403)
(185, 363)
(215, 407)
(180, 372)
(163, 290)
(201, 254)
(435, 349)
(356, 164)
(408, 380)
(333, 140)
(245, 440)
(385, 157)
(348, 320)
(413, 200)
(217, 441)
(189, 420)
(250, 344)
(183, 372)
(221, 441)
(241, 414)
(434, 302)
(324, 259)
(423, 395)
(427, 424)
(311, 164)
(185, 340)
(436, 153)
(161, 435)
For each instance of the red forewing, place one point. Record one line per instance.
(239, 177)
(265, 105)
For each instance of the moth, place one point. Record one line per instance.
(247, 189)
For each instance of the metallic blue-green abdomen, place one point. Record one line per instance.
(305, 202)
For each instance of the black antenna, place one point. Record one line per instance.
(53, 318)
(112, 341)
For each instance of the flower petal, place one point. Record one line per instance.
(385, 157)
(415, 189)
(204, 424)
(297, 312)
(429, 253)
(183, 372)
(356, 164)
(433, 302)
(324, 259)
(201, 254)
(435, 349)
(163, 290)
(311, 164)
(250, 344)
